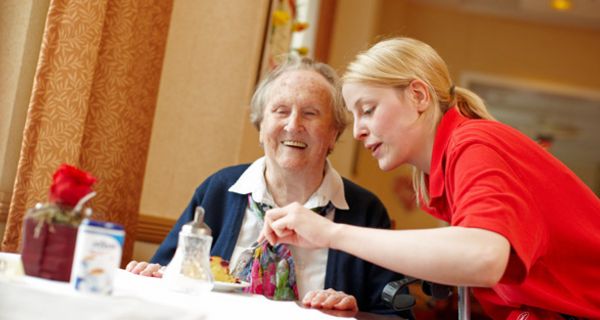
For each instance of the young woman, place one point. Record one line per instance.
(524, 230)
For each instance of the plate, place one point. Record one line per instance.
(229, 286)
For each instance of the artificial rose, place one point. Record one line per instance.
(69, 185)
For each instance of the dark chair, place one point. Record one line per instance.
(392, 295)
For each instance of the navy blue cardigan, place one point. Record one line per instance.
(225, 212)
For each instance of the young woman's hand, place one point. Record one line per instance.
(145, 269)
(298, 226)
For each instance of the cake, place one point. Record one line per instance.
(220, 270)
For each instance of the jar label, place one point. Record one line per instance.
(97, 256)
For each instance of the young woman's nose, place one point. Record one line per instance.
(359, 130)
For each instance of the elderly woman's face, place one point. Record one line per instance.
(297, 129)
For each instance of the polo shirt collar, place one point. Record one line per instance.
(450, 121)
(252, 181)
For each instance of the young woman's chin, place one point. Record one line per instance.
(386, 164)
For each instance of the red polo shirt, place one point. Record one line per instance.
(487, 175)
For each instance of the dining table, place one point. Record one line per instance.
(140, 297)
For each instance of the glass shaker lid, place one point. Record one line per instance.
(197, 226)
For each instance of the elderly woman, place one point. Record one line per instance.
(299, 113)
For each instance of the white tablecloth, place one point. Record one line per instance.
(136, 297)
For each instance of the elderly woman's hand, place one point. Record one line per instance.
(330, 299)
(145, 269)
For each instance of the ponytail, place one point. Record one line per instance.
(470, 105)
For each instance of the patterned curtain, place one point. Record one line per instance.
(92, 106)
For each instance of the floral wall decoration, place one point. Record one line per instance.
(284, 23)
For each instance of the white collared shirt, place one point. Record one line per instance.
(310, 264)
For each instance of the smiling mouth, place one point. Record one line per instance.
(374, 147)
(294, 144)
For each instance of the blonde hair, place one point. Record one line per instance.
(398, 61)
(292, 63)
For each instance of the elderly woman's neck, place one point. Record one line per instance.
(287, 186)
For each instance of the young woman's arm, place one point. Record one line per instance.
(450, 255)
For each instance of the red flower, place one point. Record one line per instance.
(69, 185)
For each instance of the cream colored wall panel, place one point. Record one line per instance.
(354, 27)
(143, 251)
(209, 72)
(21, 28)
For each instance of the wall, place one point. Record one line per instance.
(210, 69)
(469, 43)
(501, 46)
(21, 29)
(209, 73)
(350, 35)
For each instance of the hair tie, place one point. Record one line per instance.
(451, 91)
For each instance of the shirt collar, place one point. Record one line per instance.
(253, 181)
(450, 121)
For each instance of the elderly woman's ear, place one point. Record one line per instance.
(332, 145)
(260, 136)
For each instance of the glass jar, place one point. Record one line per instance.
(189, 270)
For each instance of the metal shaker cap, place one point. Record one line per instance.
(197, 226)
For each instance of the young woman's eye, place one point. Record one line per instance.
(368, 110)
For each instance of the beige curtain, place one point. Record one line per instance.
(92, 106)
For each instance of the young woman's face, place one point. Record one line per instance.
(388, 122)
(298, 130)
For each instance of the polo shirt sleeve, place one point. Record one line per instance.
(486, 192)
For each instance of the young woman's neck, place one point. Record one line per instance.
(423, 161)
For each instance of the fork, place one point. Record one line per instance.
(244, 257)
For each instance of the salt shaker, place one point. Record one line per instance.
(189, 270)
